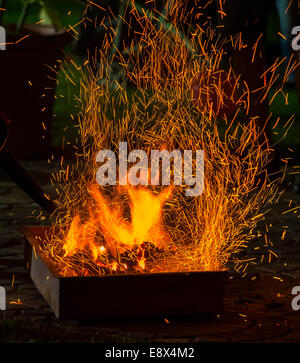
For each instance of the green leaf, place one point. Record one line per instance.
(50, 13)
(51, 17)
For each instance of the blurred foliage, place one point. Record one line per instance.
(69, 12)
(60, 13)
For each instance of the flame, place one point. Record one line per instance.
(117, 232)
(180, 94)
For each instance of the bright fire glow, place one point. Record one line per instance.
(144, 225)
(114, 229)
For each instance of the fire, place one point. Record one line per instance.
(117, 232)
(122, 229)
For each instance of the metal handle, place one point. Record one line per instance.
(20, 176)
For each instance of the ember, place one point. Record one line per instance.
(150, 228)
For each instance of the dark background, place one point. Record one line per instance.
(66, 105)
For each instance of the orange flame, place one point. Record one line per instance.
(117, 232)
(181, 97)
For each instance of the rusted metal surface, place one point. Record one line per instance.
(122, 296)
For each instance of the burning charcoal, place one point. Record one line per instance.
(137, 258)
(148, 251)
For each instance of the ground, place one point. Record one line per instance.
(257, 306)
